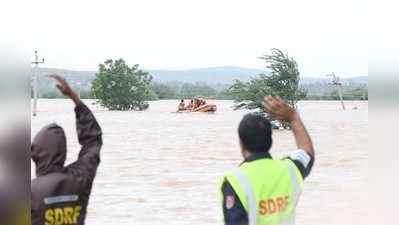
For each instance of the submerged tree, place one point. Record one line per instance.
(120, 87)
(284, 77)
(283, 81)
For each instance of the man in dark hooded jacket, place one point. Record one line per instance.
(60, 194)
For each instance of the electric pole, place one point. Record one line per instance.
(35, 82)
(338, 85)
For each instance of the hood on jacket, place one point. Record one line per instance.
(48, 149)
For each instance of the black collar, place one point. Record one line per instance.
(256, 156)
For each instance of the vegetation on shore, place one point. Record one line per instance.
(173, 90)
(112, 84)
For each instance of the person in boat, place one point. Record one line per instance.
(196, 104)
(182, 106)
(190, 105)
(202, 106)
(202, 102)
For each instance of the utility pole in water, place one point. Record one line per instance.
(338, 84)
(35, 82)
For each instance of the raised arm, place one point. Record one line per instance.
(280, 110)
(89, 133)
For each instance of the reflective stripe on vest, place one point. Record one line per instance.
(252, 206)
(251, 198)
(297, 192)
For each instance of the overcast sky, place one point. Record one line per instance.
(323, 36)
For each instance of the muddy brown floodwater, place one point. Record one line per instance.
(160, 167)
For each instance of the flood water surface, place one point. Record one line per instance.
(160, 167)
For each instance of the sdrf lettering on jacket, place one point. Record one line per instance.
(273, 205)
(62, 216)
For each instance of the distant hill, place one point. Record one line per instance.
(212, 75)
(223, 75)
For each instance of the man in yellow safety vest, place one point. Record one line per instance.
(264, 191)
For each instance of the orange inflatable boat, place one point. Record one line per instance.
(206, 108)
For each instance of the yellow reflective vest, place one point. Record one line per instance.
(268, 189)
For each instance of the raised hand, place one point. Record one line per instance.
(65, 89)
(62, 85)
(279, 109)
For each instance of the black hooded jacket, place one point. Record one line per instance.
(59, 194)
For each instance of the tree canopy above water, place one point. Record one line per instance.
(120, 87)
(283, 81)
